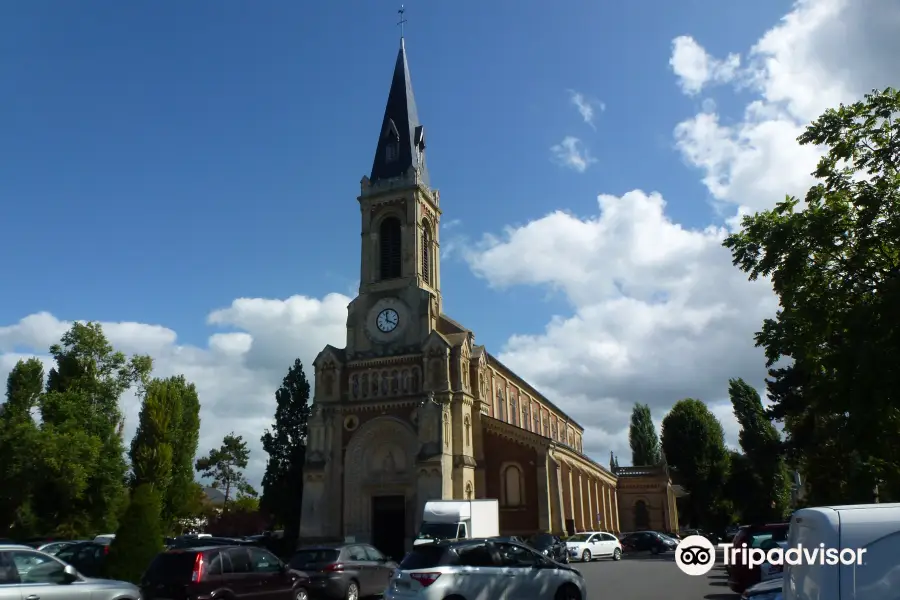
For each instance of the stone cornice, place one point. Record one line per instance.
(370, 363)
(516, 434)
(583, 464)
(357, 406)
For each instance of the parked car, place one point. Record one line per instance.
(54, 547)
(594, 544)
(740, 575)
(445, 570)
(88, 558)
(29, 573)
(341, 571)
(648, 541)
(508, 538)
(713, 538)
(192, 541)
(221, 572)
(767, 590)
(550, 546)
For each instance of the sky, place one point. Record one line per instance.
(186, 173)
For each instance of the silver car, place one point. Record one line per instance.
(28, 574)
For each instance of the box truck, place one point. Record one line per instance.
(459, 519)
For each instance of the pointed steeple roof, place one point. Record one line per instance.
(401, 139)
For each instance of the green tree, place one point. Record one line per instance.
(81, 482)
(286, 445)
(19, 446)
(180, 498)
(642, 437)
(834, 344)
(151, 447)
(246, 504)
(224, 465)
(139, 539)
(694, 444)
(762, 446)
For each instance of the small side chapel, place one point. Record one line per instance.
(412, 409)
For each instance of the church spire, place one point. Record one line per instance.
(401, 140)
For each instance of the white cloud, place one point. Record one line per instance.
(586, 107)
(658, 311)
(695, 68)
(236, 374)
(572, 153)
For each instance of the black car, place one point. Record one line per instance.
(713, 538)
(344, 570)
(550, 546)
(190, 541)
(88, 558)
(648, 541)
(221, 572)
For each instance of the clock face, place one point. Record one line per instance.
(387, 320)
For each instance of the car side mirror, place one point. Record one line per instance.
(70, 575)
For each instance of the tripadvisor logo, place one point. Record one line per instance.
(696, 555)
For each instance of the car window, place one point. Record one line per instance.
(264, 562)
(313, 555)
(38, 568)
(86, 553)
(426, 556)
(578, 537)
(478, 555)
(8, 573)
(373, 554)
(607, 537)
(219, 565)
(240, 560)
(512, 555)
(757, 540)
(356, 553)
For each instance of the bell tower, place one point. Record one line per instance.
(400, 222)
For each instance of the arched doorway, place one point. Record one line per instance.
(380, 484)
(641, 516)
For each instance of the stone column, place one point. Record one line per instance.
(612, 516)
(543, 482)
(592, 515)
(584, 526)
(557, 504)
(616, 509)
(601, 501)
(571, 506)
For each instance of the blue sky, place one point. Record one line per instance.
(161, 159)
(187, 173)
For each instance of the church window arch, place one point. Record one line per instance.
(426, 251)
(390, 240)
(513, 410)
(641, 516)
(512, 485)
(525, 420)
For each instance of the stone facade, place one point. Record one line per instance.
(647, 499)
(412, 409)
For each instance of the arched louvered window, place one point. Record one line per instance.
(426, 252)
(391, 256)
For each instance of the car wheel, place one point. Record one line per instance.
(353, 591)
(586, 556)
(301, 594)
(617, 554)
(567, 592)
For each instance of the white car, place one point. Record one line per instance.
(594, 544)
(472, 568)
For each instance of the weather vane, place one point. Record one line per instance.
(402, 20)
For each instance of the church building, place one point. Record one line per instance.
(412, 408)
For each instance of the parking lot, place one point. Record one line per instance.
(644, 577)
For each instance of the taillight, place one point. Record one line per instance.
(425, 579)
(335, 568)
(197, 574)
(105, 550)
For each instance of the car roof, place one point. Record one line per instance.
(15, 547)
(334, 546)
(206, 547)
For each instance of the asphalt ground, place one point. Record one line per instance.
(647, 577)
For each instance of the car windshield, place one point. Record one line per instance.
(579, 537)
(313, 556)
(438, 531)
(542, 541)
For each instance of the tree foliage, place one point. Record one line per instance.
(151, 447)
(642, 437)
(834, 344)
(139, 538)
(286, 445)
(766, 496)
(19, 446)
(694, 445)
(224, 465)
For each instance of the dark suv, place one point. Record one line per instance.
(221, 571)
(344, 570)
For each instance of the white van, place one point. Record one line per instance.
(872, 527)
